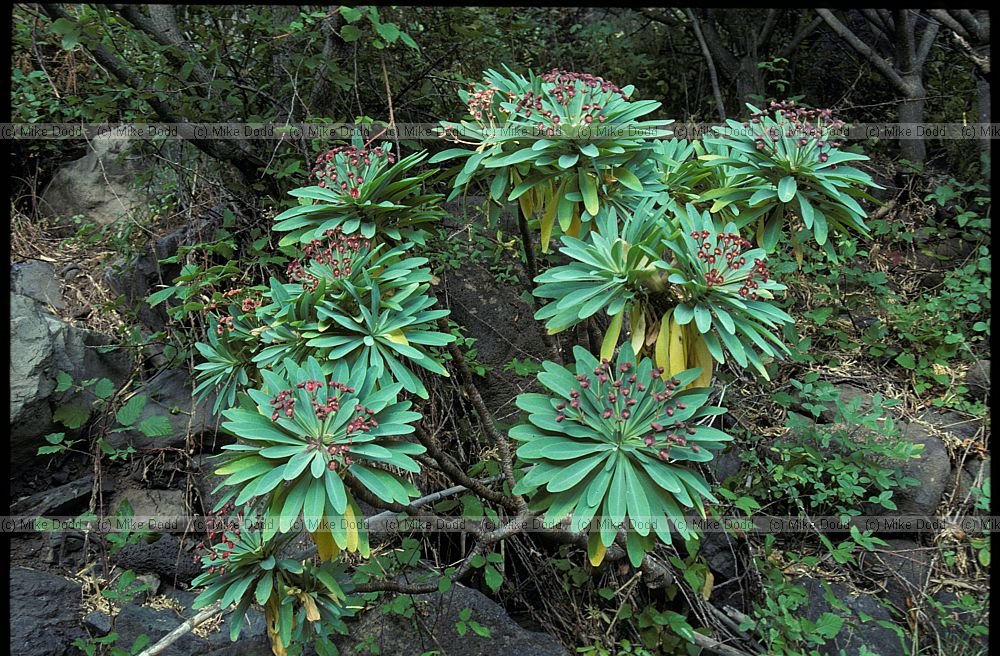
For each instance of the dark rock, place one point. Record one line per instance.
(134, 620)
(37, 280)
(482, 308)
(963, 427)
(98, 622)
(41, 345)
(968, 481)
(396, 635)
(906, 566)
(977, 379)
(169, 394)
(725, 463)
(847, 394)
(97, 186)
(206, 482)
(859, 628)
(66, 499)
(167, 558)
(44, 619)
(953, 619)
(931, 470)
(722, 554)
(139, 277)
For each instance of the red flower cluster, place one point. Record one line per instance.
(248, 304)
(344, 167)
(481, 101)
(219, 525)
(339, 450)
(728, 255)
(335, 255)
(566, 84)
(363, 421)
(563, 86)
(805, 125)
(284, 404)
(224, 323)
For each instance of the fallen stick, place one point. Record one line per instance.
(182, 630)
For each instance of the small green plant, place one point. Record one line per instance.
(831, 469)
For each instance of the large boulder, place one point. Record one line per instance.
(169, 394)
(167, 558)
(394, 634)
(859, 634)
(41, 345)
(931, 470)
(98, 186)
(38, 281)
(44, 619)
(140, 276)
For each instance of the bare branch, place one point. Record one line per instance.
(805, 29)
(926, 41)
(765, 32)
(863, 49)
(713, 76)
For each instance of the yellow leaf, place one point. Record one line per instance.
(312, 612)
(397, 337)
(574, 225)
(524, 200)
(797, 249)
(325, 546)
(661, 353)
(611, 337)
(703, 360)
(706, 590)
(271, 623)
(638, 331)
(549, 220)
(677, 348)
(596, 549)
(352, 529)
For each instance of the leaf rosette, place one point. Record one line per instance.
(302, 433)
(363, 190)
(725, 290)
(790, 163)
(608, 444)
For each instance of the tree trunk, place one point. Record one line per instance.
(749, 81)
(983, 88)
(911, 111)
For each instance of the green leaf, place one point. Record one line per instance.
(71, 415)
(628, 179)
(349, 33)
(156, 426)
(129, 413)
(104, 388)
(63, 381)
(588, 187)
(786, 189)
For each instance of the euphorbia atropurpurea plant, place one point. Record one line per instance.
(689, 289)
(790, 172)
(562, 144)
(314, 371)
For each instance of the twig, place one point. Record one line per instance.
(182, 630)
